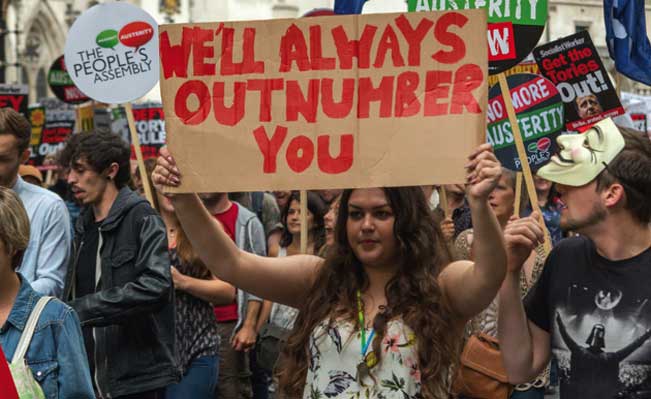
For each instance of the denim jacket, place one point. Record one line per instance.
(56, 354)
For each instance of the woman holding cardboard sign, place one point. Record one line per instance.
(384, 313)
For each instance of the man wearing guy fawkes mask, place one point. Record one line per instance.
(591, 283)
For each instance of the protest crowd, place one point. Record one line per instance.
(528, 277)
(209, 295)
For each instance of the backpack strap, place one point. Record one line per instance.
(28, 332)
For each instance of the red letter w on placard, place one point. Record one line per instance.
(175, 58)
(501, 44)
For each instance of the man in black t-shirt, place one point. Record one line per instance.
(591, 306)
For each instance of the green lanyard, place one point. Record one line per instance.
(362, 326)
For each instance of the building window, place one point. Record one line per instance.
(581, 26)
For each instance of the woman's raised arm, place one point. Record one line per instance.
(471, 286)
(284, 280)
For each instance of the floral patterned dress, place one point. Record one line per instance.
(335, 352)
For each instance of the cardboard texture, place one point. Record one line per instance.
(514, 27)
(574, 66)
(298, 104)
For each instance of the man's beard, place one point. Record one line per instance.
(597, 214)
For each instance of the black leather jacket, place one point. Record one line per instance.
(132, 312)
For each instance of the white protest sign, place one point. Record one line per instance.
(112, 52)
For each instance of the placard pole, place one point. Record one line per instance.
(522, 154)
(136, 145)
(303, 199)
(518, 193)
(443, 201)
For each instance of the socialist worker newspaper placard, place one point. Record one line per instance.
(574, 66)
(325, 102)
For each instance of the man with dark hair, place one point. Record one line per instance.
(119, 282)
(45, 261)
(591, 283)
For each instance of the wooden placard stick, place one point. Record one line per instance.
(303, 199)
(136, 145)
(522, 154)
(518, 193)
(443, 201)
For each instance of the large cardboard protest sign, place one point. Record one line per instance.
(574, 66)
(324, 102)
(539, 112)
(14, 96)
(150, 124)
(62, 86)
(514, 26)
(112, 52)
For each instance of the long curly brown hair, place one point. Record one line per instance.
(413, 295)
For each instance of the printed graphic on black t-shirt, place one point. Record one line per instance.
(599, 317)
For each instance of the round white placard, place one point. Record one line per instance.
(112, 52)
